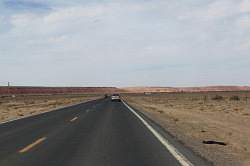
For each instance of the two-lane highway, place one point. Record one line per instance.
(96, 133)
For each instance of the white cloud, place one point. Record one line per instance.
(170, 36)
(57, 39)
(245, 46)
(219, 9)
(54, 21)
(73, 13)
(22, 20)
(245, 6)
(244, 22)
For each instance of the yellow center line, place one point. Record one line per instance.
(30, 146)
(72, 120)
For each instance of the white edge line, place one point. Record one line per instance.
(179, 157)
(63, 107)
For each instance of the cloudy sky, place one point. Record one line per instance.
(125, 43)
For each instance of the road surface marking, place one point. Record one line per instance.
(30, 146)
(72, 120)
(179, 157)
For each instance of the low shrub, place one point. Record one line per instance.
(234, 98)
(217, 97)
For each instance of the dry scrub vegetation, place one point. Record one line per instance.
(27, 105)
(197, 117)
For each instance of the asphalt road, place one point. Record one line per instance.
(96, 133)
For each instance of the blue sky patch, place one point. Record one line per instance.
(25, 5)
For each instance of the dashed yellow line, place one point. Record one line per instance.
(75, 118)
(30, 146)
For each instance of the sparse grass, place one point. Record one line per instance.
(194, 117)
(246, 114)
(20, 114)
(160, 111)
(20, 106)
(176, 119)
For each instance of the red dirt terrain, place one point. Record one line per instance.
(56, 90)
(80, 90)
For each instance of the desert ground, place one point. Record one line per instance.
(19, 106)
(213, 124)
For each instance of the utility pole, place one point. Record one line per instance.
(9, 88)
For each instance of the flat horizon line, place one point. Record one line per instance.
(124, 87)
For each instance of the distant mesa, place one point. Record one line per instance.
(185, 89)
(4, 90)
(56, 90)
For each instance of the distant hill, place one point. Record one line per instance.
(56, 90)
(186, 89)
(80, 90)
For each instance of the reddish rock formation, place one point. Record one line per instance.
(56, 90)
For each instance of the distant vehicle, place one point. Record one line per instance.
(115, 97)
(106, 96)
(147, 93)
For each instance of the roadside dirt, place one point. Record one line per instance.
(16, 107)
(197, 117)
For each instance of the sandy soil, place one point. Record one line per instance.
(22, 106)
(197, 117)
